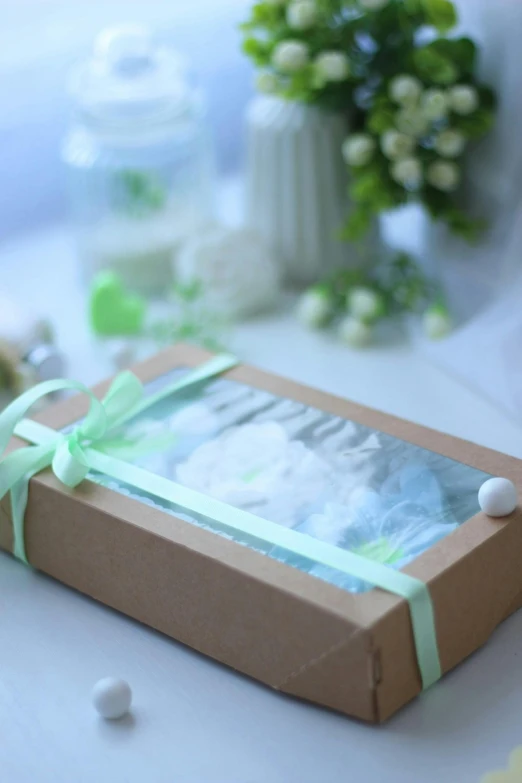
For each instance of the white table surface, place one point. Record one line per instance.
(195, 721)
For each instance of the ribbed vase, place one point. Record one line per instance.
(297, 187)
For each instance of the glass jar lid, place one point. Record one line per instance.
(130, 81)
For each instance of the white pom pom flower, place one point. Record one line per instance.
(434, 104)
(266, 83)
(332, 66)
(436, 323)
(355, 332)
(373, 5)
(412, 122)
(364, 304)
(450, 143)
(405, 90)
(408, 172)
(463, 99)
(290, 56)
(301, 14)
(444, 175)
(239, 275)
(358, 149)
(315, 308)
(396, 145)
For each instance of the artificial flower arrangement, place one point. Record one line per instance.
(413, 107)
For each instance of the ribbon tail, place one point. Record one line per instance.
(19, 495)
(15, 473)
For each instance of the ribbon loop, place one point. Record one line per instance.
(69, 463)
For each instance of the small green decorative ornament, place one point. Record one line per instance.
(114, 312)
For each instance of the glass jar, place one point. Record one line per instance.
(139, 159)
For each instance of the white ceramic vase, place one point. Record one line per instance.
(297, 187)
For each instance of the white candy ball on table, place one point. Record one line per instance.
(290, 56)
(354, 332)
(463, 99)
(444, 175)
(450, 143)
(358, 149)
(333, 66)
(112, 698)
(434, 104)
(405, 90)
(408, 172)
(396, 145)
(498, 497)
(301, 14)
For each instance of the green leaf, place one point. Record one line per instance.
(441, 14)
(381, 117)
(357, 225)
(258, 50)
(366, 186)
(434, 67)
(475, 125)
(267, 14)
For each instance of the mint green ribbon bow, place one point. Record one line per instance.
(65, 454)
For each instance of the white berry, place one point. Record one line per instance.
(112, 698)
(355, 332)
(408, 172)
(444, 175)
(333, 66)
(301, 14)
(290, 56)
(437, 323)
(396, 145)
(315, 308)
(450, 143)
(497, 497)
(412, 122)
(364, 304)
(405, 90)
(266, 83)
(434, 104)
(358, 149)
(463, 99)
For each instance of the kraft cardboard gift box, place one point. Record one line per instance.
(272, 620)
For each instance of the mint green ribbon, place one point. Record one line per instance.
(74, 454)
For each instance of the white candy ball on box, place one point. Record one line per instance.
(498, 497)
(112, 698)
